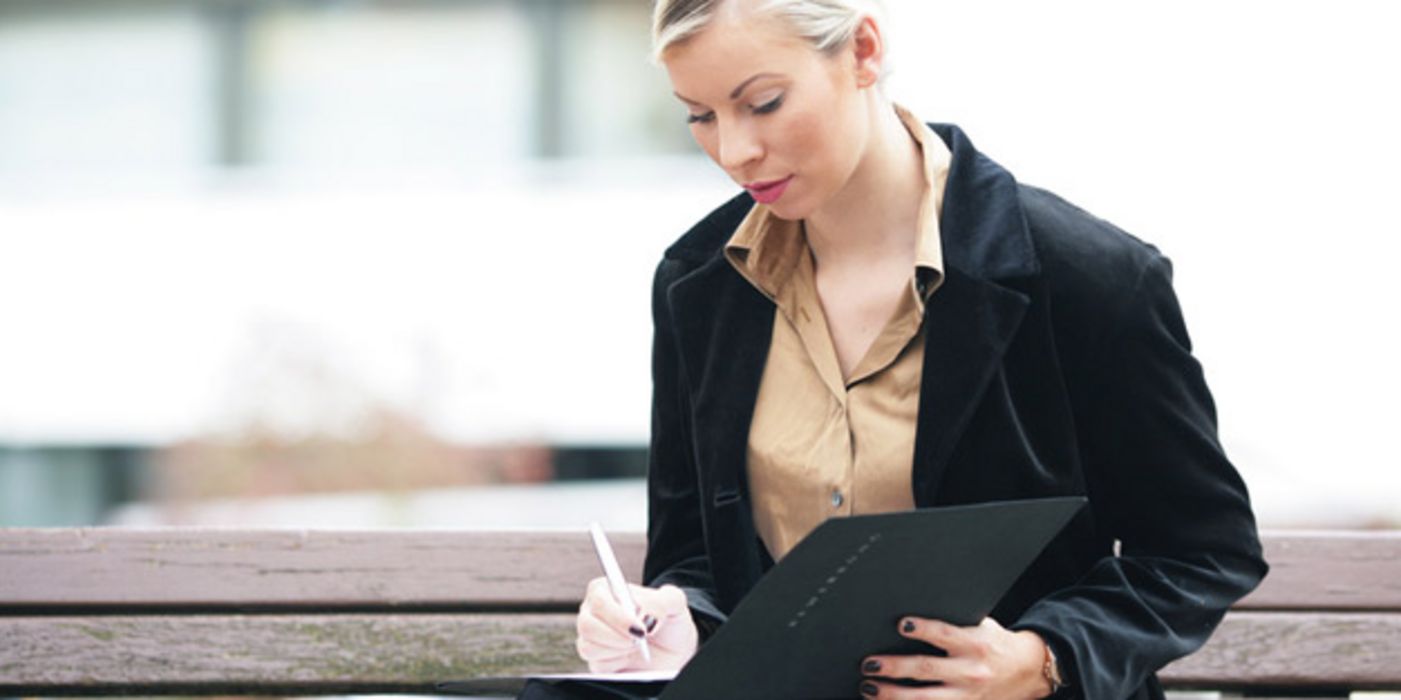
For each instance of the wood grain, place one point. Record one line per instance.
(1296, 650)
(186, 568)
(221, 569)
(98, 611)
(409, 653)
(1343, 570)
(275, 653)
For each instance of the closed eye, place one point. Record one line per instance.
(770, 106)
(700, 118)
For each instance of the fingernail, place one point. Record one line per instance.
(650, 622)
(871, 666)
(908, 626)
(869, 689)
(636, 632)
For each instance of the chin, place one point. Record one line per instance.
(783, 212)
(791, 207)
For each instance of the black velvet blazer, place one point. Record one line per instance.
(1056, 363)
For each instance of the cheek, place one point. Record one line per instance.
(805, 139)
(815, 147)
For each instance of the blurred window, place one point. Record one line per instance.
(103, 86)
(618, 102)
(180, 85)
(440, 85)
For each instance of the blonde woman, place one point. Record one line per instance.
(885, 319)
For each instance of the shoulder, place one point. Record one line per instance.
(701, 243)
(1100, 282)
(1082, 256)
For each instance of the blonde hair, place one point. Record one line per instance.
(826, 24)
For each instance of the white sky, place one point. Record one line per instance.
(1256, 144)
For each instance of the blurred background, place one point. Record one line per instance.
(323, 263)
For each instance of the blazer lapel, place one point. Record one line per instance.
(969, 324)
(724, 327)
(972, 318)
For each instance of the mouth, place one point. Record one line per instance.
(768, 192)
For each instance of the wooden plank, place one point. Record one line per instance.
(1290, 650)
(1344, 570)
(223, 569)
(409, 652)
(389, 569)
(269, 654)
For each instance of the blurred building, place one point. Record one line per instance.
(278, 246)
(271, 246)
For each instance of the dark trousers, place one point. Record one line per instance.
(580, 690)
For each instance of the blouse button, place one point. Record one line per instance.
(837, 499)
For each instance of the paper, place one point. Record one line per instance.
(510, 686)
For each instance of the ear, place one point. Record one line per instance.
(868, 46)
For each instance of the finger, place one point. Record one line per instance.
(890, 691)
(592, 651)
(918, 667)
(666, 600)
(598, 632)
(957, 641)
(611, 664)
(657, 606)
(602, 658)
(599, 601)
(960, 671)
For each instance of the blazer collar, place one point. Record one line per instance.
(982, 223)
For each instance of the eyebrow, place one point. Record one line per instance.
(734, 94)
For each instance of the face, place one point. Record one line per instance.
(785, 121)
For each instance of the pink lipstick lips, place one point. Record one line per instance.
(768, 192)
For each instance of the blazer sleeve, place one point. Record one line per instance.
(1160, 483)
(676, 552)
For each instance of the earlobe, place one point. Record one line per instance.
(865, 78)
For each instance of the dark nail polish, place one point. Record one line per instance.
(650, 622)
(909, 626)
(636, 632)
(871, 666)
(869, 689)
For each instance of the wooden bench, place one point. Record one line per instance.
(104, 611)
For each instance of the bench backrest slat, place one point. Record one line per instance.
(162, 611)
(466, 570)
(1329, 571)
(221, 569)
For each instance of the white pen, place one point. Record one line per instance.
(616, 583)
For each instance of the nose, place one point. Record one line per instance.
(738, 145)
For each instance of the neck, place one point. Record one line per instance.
(875, 215)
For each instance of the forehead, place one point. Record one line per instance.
(734, 46)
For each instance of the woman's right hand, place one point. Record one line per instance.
(607, 631)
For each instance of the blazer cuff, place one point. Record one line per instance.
(1065, 659)
(704, 612)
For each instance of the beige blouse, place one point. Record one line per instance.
(820, 446)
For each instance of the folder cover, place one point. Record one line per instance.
(838, 596)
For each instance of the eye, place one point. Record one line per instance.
(770, 106)
(700, 118)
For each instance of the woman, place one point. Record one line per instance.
(886, 319)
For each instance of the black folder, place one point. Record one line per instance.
(838, 596)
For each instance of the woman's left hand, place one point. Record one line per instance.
(986, 661)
